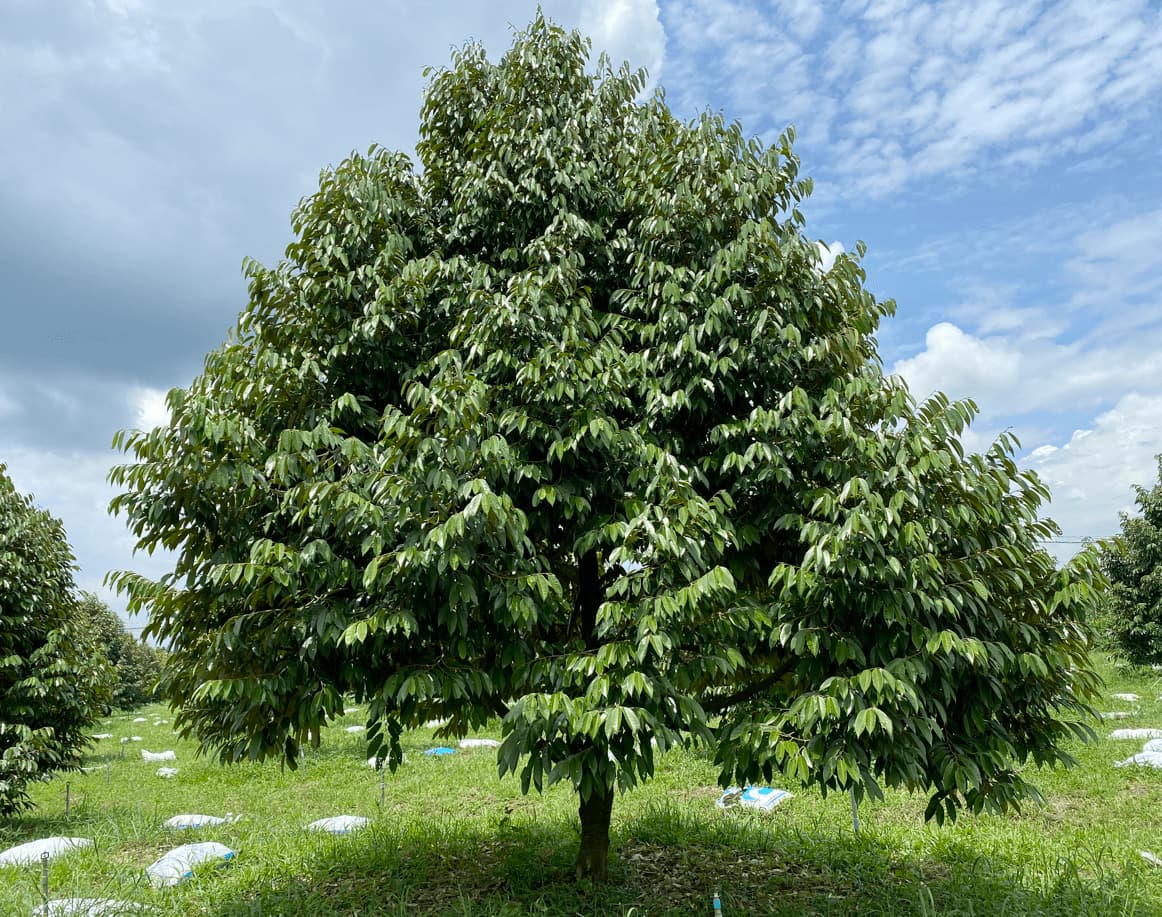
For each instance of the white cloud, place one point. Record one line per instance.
(627, 30)
(828, 254)
(904, 92)
(960, 365)
(149, 408)
(1071, 340)
(73, 487)
(1092, 475)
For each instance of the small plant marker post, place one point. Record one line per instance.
(108, 770)
(854, 812)
(68, 797)
(382, 787)
(44, 875)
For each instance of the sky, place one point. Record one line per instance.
(999, 160)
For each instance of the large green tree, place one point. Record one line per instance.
(567, 426)
(53, 678)
(1132, 608)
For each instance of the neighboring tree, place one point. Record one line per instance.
(53, 678)
(1132, 561)
(567, 426)
(136, 665)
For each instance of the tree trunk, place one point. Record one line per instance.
(589, 595)
(593, 856)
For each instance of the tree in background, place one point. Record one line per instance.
(568, 426)
(53, 678)
(136, 665)
(1132, 561)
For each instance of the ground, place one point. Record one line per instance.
(450, 837)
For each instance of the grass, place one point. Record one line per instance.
(451, 838)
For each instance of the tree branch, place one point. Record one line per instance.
(719, 703)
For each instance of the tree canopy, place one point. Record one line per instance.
(1132, 561)
(136, 666)
(53, 679)
(565, 424)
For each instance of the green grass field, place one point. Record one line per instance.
(450, 837)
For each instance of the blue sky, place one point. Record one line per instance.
(999, 160)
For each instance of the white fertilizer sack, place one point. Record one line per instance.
(479, 743)
(193, 820)
(1132, 698)
(167, 755)
(763, 798)
(1153, 745)
(140, 719)
(1142, 759)
(90, 907)
(1116, 715)
(178, 865)
(1136, 734)
(103, 735)
(167, 772)
(29, 854)
(355, 729)
(339, 824)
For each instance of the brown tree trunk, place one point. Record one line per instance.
(593, 856)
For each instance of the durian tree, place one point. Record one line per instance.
(54, 680)
(566, 424)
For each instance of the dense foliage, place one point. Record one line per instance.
(53, 679)
(568, 426)
(1132, 561)
(136, 666)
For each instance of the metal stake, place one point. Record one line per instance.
(68, 797)
(44, 875)
(854, 812)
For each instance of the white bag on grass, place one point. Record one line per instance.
(1136, 734)
(763, 798)
(199, 821)
(1153, 745)
(29, 854)
(479, 743)
(167, 755)
(339, 824)
(1142, 759)
(178, 865)
(1127, 697)
(167, 772)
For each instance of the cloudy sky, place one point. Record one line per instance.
(998, 158)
